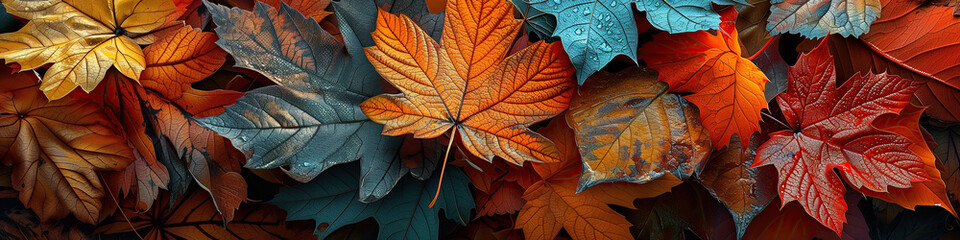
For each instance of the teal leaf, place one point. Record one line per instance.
(593, 32)
(535, 21)
(361, 16)
(310, 121)
(819, 18)
(402, 214)
(679, 16)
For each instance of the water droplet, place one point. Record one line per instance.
(605, 47)
(586, 11)
(556, 1)
(576, 10)
(613, 3)
(579, 31)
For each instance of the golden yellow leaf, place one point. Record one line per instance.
(81, 39)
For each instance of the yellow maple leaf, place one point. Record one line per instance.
(81, 39)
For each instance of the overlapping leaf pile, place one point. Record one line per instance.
(479, 119)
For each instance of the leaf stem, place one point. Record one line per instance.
(443, 167)
(757, 54)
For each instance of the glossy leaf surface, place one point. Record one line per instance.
(628, 128)
(830, 133)
(553, 202)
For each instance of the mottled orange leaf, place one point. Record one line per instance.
(56, 149)
(468, 83)
(82, 39)
(553, 203)
(929, 193)
(628, 128)
(195, 217)
(727, 88)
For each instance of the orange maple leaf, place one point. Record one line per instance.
(727, 88)
(466, 82)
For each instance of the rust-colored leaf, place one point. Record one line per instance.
(923, 39)
(929, 193)
(56, 149)
(727, 88)
(467, 82)
(553, 203)
(628, 128)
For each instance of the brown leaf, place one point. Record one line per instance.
(57, 148)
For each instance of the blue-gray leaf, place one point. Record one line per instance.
(402, 214)
(819, 18)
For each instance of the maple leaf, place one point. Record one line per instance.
(310, 121)
(727, 88)
(195, 217)
(553, 203)
(56, 149)
(832, 129)
(628, 128)
(467, 84)
(81, 39)
(596, 31)
(743, 190)
(331, 199)
(163, 107)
